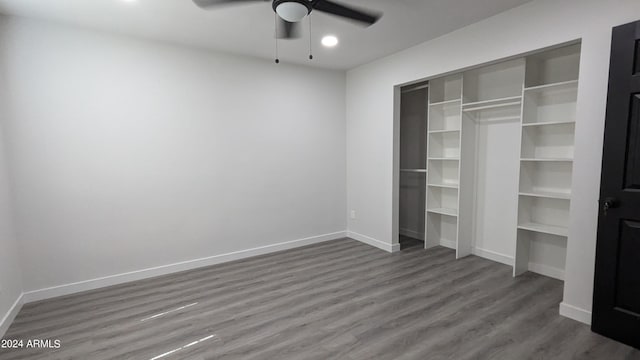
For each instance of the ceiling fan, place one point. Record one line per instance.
(291, 12)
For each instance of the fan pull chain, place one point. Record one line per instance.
(310, 47)
(276, 23)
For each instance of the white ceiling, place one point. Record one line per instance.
(248, 28)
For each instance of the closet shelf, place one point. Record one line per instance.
(444, 103)
(443, 131)
(492, 104)
(548, 123)
(502, 119)
(547, 160)
(444, 211)
(546, 194)
(490, 107)
(546, 229)
(562, 84)
(419, 171)
(444, 186)
(444, 158)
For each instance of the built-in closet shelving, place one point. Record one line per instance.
(500, 158)
(547, 148)
(443, 161)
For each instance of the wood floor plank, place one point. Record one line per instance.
(334, 300)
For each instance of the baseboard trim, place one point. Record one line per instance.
(493, 256)
(575, 313)
(547, 270)
(67, 289)
(412, 234)
(391, 248)
(11, 315)
(448, 244)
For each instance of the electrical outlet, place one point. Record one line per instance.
(353, 214)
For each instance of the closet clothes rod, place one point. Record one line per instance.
(419, 171)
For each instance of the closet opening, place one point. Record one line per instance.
(413, 166)
(486, 160)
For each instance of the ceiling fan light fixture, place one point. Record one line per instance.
(292, 11)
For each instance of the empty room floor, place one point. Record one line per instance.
(334, 300)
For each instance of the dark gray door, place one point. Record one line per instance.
(616, 307)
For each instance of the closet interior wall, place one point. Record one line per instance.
(491, 115)
(499, 160)
(413, 152)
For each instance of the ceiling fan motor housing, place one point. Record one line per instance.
(292, 10)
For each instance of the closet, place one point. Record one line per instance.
(413, 154)
(500, 142)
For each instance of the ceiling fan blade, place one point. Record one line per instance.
(287, 30)
(210, 3)
(348, 12)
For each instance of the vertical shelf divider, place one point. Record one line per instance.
(522, 245)
(466, 170)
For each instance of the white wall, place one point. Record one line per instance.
(128, 154)
(10, 275)
(539, 24)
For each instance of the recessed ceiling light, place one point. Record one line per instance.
(329, 41)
